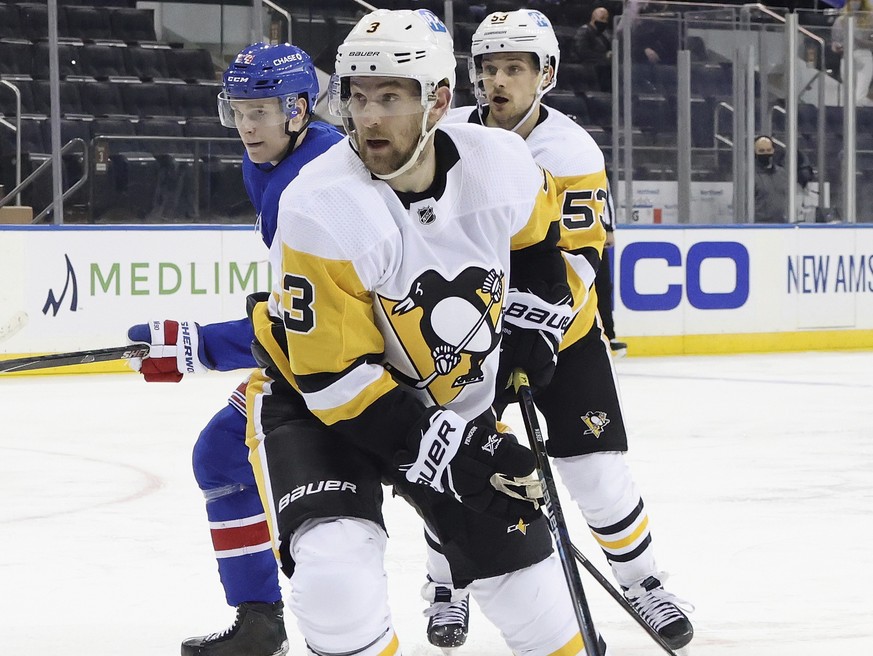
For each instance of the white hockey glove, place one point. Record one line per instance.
(174, 350)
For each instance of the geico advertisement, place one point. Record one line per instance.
(686, 281)
(83, 288)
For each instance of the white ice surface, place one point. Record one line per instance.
(757, 473)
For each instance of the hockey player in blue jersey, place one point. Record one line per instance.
(268, 96)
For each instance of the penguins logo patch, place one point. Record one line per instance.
(426, 215)
(596, 422)
(448, 328)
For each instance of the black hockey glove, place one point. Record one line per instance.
(482, 468)
(532, 331)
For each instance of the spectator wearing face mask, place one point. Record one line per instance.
(771, 184)
(862, 10)
(592, 44)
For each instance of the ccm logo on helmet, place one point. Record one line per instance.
(315, 488)
(237, 78)
(287, 59)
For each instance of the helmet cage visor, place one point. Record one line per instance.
(480, 72)
(260, 112)
(346, 102)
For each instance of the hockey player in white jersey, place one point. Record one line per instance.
(379, 352)
(514, 63)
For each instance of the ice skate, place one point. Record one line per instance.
(258, 630)
(448, 616)
(661, 610)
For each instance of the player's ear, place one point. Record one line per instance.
(443, 103)
(549, 76)
(302, 105)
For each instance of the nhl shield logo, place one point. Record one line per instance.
(426, 215)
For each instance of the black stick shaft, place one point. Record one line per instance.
(555, 515)
(136, 350)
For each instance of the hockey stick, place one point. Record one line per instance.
(11, 326)
(555, 515)
(135, 350)
(615, 594)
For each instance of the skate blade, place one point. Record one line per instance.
(449, 651)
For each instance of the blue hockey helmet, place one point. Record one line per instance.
(262, 70)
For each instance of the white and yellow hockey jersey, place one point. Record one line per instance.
(372, 286)
(572, 156)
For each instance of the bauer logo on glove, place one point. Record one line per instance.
(482, 467)
(531, 313)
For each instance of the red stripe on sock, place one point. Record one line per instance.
(238, 537)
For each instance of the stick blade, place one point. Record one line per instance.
(126, 352)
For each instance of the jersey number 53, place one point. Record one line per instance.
(578, 211)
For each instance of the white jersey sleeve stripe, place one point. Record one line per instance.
(345, 389)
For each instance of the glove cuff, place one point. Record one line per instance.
(530, 312)
(440, 441)
(188, 349)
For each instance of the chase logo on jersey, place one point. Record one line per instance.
(447, 329)
(596, 422)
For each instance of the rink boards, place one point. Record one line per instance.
(743, 289)
(677, 289)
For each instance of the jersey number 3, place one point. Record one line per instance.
(578, 210)
(299, 316)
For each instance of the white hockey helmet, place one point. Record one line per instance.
(404, 43)
(395, 43)
(523, 30)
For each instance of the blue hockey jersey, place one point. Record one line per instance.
(227, 345)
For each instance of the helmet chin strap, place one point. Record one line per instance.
(424, 133)
(422, 141)
(295, 135)
(540, 93)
